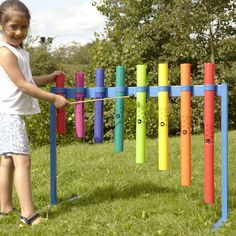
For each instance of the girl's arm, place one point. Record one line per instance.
(10, 64)
(46, 79)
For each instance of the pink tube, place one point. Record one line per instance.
(79, 108)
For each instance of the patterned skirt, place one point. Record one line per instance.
(13, 135)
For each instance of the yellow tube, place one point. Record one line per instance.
(163, 117)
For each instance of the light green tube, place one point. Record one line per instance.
(119, 113)
(141, 115)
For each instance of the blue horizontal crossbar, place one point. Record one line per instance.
(151, 91)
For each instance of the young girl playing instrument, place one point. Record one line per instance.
(18, 97)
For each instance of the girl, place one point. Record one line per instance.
(18, 97)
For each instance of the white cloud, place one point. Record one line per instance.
(67, 23)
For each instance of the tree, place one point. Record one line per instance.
(74, 53)
(214, 26)
(173, 31)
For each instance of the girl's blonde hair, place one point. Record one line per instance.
(8, 6)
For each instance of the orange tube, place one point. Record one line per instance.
(185, 139)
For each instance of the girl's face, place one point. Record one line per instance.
(15, 30)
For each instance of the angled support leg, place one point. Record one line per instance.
(224, 160)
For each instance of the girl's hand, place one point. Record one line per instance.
(60, 101)
(53, 76)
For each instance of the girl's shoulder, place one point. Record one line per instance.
(7, 56)
(18, 52)
(9, 47)
(4, 44)
(4, 51)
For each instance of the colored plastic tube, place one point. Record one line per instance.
(61, 114)
(209, 74)
(163, 117)
(98, 117)
(185, 137)
(141, 114)
(119, 113)
(79, 108)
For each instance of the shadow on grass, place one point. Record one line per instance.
(232, 201)
(110, 193)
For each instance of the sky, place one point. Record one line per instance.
(65, 20)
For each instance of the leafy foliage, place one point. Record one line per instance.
(156, 31)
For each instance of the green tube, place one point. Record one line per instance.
(141, 115)
(119, 113)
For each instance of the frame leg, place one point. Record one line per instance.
(53, 157)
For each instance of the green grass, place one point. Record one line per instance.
(119, 197)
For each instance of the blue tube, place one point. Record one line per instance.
(98, 117)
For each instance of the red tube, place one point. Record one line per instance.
(61, 114)
(209, 75)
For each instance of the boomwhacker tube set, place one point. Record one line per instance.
(141, 92)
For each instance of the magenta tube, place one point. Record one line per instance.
(79, 108)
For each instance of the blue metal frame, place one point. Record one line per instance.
(152, 91)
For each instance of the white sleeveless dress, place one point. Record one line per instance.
(13, 106)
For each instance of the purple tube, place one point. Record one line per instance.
(79, 108)
(98, 117)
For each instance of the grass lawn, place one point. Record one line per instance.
(119, 197)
